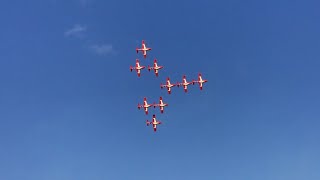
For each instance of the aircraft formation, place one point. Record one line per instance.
(168, 85)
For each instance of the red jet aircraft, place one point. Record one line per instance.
(168, 85)
(144, 49)
(184, 83)
(200, 81)
(155, 67)
(161, 105)
(145, 105)
(154, 123)
(138, 68)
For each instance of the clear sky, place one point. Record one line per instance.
(68, 101)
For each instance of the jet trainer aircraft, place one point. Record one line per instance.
(161, 105)
(168, 85)
(144, 49)
(154, 123)
(145, 105)
(155, 67)
(200, 81)
(184, 83)
(138, 68)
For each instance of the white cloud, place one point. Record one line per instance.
(103, 49)
(77, 30)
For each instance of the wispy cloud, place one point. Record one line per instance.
(103, 49)
(84, 3)
(77, 31)
(99, 49)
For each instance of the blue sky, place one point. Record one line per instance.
(68, 100)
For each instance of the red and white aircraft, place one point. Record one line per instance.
(155, 67)
(161, 105)
(154, 123)
(145, 105)
(200, 81)
(168, 85)
(138, 68)
(184, 83)
(144, 49)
